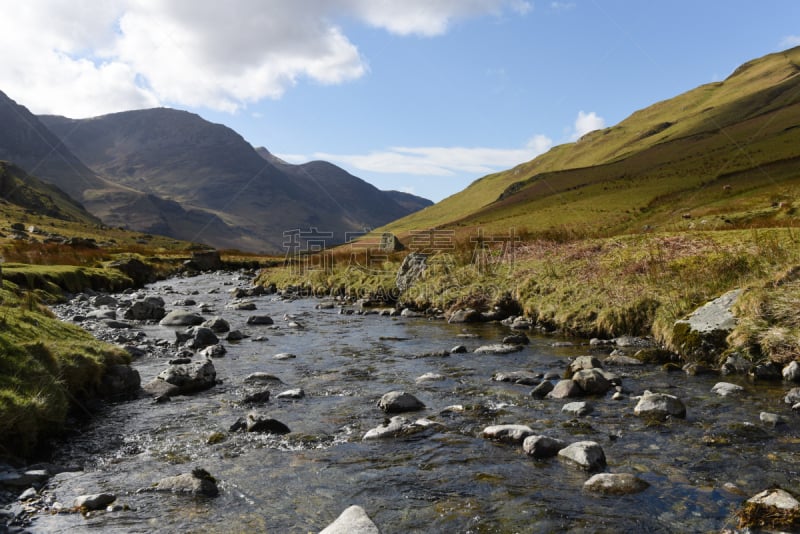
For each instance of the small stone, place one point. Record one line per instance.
(430, 377)
(284, 356)
(29, 493)
(542, 390)
(542, 446)
(792, 397)
(458, 349)
(771, 419)
(260, 320)
(660, 405)
(266, 425)
(587, 455)
(565, 389)
(291, 394)
(577, 409)
(97, 501)
(726, 389)
(508, 433)
(353, 520)
(792, 372)
(399, 401)
(498, 348)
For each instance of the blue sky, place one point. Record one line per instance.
(417, 95)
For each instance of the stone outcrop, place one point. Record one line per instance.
(702, 335)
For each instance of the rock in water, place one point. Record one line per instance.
(354, 520)
(660, 405)
(587, 455)
(181, 318)
(400, 401)
(508, 433)
(98, 501)
(542, 446)
(198, 482)
(257, 423)
(615, 484)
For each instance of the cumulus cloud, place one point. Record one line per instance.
(89, 58)
(790, 41)
(585, 123)
(441, 161)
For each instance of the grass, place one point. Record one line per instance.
(47, 367)
(605, 287)
(720, 153)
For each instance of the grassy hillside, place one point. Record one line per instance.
(630, 228)
(725, 150)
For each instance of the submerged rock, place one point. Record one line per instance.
(726, 389)
(526, 378)
(397, 426)
(498, 348)
(615, 484)
(353, 520)
(198, 482)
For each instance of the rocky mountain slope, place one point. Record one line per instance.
(221, 181)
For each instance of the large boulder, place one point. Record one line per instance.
(702, 335)
(354, 520)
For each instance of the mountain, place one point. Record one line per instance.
(722, 155)
(232, 195)
(358, 198)
(25, 141)
(29, 193)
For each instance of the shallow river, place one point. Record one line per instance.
(448, 479)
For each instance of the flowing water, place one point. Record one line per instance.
(446, 479)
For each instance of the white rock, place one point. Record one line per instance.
(726, 389)
(354, 520)
(508, 433)
(587, 455)
(615, 484)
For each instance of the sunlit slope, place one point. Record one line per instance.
(722, 149)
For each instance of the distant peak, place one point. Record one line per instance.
(269, 156)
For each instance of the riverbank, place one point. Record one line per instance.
(628, 285)
(293, 425)
(49, 368)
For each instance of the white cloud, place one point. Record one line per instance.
(585, 123)
(441, 161)
(88, 58)
(562, 6)
(790, 41)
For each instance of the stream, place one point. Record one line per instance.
(446, 479)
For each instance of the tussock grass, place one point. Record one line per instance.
(632, 284)
(46, 367)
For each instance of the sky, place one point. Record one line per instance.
(422, 96)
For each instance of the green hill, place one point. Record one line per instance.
(725, 153)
